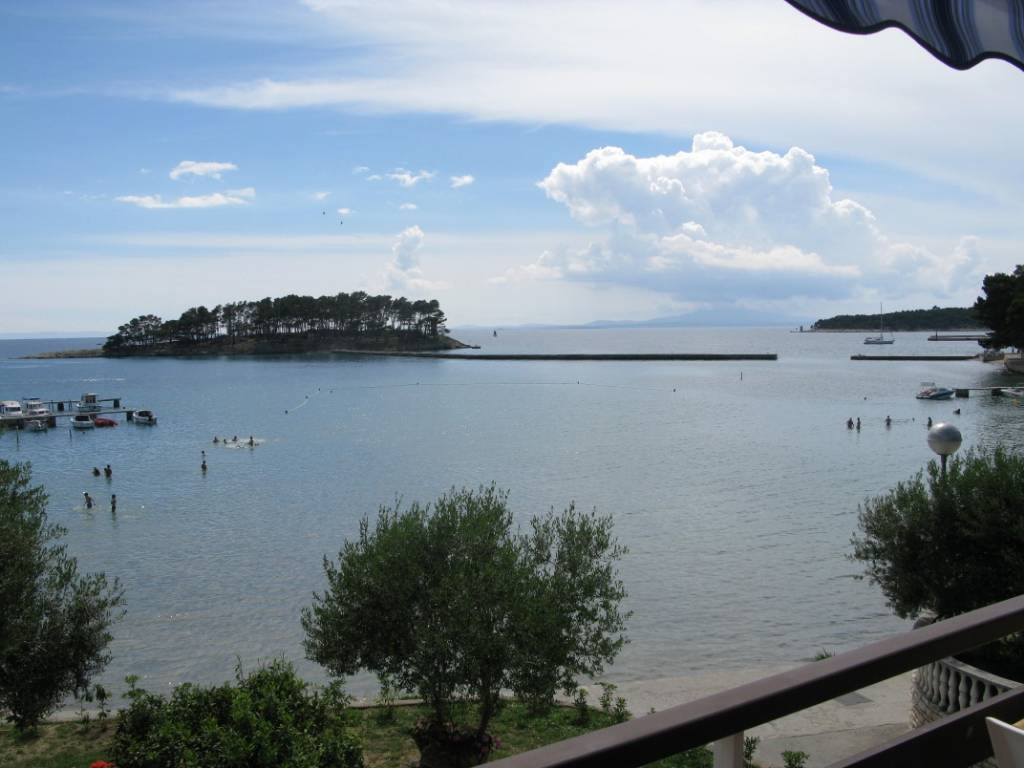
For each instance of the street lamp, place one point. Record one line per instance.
(944, 439)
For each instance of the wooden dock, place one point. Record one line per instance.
(60, 409)
(626, 356)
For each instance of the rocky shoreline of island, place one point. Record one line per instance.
(290, 345)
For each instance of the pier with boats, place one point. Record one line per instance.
(88, 412)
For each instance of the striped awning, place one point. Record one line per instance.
(958, 32)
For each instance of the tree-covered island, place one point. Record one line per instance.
(345, 321)
(934, 319)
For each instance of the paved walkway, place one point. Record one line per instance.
(828, 732)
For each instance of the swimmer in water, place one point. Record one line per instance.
(929, 421)
(888, 421)
(108, 472)
(849, 423)
(95, 471)
(113, 503)
(216, 439)
(88, 499)
(251, 441)
(203, 466)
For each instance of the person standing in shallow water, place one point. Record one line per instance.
(203, 467)
(108, 472)
(88, 499)
(113, 503)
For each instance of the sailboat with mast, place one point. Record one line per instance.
(880, 338)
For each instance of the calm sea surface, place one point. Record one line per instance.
(734, 485)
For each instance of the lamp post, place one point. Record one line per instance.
(944, 439)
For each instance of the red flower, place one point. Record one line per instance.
(102, 764)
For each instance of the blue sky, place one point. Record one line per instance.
(614, 161)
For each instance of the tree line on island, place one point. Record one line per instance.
(999, 309)
(344, 315)
(934, 319)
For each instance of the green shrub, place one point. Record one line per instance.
(794, 759)
(269, 719)
(952, 544)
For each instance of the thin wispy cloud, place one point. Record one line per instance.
(210, 168)
(344, 211)
(408, 207)
(374, 177)
(361, 169)
(464, 58)
(461, 181)
(214, 200)
(320, 196)
(408, 178)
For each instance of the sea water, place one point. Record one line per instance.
(735, 485)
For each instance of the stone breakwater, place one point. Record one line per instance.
(629, 356)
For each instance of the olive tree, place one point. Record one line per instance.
(949, 544)
(451, 601)
(54, 622)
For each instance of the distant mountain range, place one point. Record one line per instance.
(934, 319)
(714, 318)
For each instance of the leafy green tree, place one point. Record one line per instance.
(950, 544)
(54, 622)
(1002, 309)
(453, 602)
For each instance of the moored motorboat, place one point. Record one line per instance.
(11, 409)
(1015, 392)
(35, 425)
(103, 421)
(34, 408)
(82, 421)
(931, 392)
(88, 404)
(144, 417)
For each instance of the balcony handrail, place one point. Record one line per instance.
(686, 726)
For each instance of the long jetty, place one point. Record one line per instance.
(914, 357)
(604, 356)
(958, 336)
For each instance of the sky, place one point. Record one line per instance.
(522, 161)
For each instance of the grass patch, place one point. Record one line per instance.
(386, 744)
(57, 745)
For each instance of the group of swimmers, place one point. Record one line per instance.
(218, 440)
(107, 472)
(850, 424)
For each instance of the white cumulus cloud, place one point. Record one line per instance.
(214, 200)
(723, 223)
(344, 211)
(408, 207)
(403, 272)
(206, 168)
(408, 178)
(461, 181)
(319, 196)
